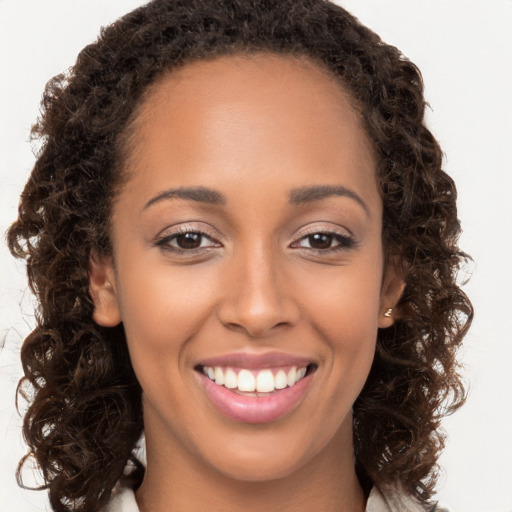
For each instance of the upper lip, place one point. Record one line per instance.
(256, 361)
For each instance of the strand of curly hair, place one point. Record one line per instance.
(85, 417)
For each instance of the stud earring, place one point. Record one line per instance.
(388, 312)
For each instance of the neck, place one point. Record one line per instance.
(328, 482)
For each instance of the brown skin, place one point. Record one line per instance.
(254, 129)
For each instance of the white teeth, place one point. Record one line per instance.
(292, 376)
(230, 379)
(246, 381)
(263, 381)
(280, 380)
(219, 376)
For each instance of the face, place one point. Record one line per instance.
(248, 266)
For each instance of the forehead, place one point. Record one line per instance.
(236, 75)
(265, 115)
(266, 82)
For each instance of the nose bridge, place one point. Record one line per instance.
(256, 299)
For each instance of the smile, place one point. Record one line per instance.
(250, 388)
(251, 381)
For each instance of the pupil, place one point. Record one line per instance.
(320, 241)
(189, 240)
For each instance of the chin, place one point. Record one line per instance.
(259, 469)
(273, 455)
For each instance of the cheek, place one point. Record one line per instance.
(163, 297)
(162, 308)
(345, 303)
(344, 311)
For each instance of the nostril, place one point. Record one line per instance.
(256, 327)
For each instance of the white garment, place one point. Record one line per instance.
(123, 500)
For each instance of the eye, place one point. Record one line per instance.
(325, 241)
(186, 241)
(189, 240)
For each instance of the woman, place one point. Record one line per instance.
(244, 246)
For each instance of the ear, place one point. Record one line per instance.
(103, 291)
(393, 286)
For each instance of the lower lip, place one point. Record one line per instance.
(253, 409)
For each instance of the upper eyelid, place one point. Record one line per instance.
(331, 230)
(171, 231)
(213, 235)
(334, 234)
(166, 245)
(175, 234)
(336, 231)
(164, 241)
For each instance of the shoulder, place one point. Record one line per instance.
(394, 500)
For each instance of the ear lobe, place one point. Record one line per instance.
(103, 292)
(392, 289)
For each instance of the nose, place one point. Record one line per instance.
(258, 296)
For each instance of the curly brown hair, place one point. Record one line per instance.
(85, 417)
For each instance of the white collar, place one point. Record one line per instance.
(123, 500)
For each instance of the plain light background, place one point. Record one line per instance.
(464, 49)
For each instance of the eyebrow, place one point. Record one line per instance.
(305, 195)
(298, 196)
(199, 194)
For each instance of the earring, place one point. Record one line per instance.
(388, 312)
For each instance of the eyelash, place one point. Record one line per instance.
(344, 242)
(165, 242)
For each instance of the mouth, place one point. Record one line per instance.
(250, 390)
(261, 382)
